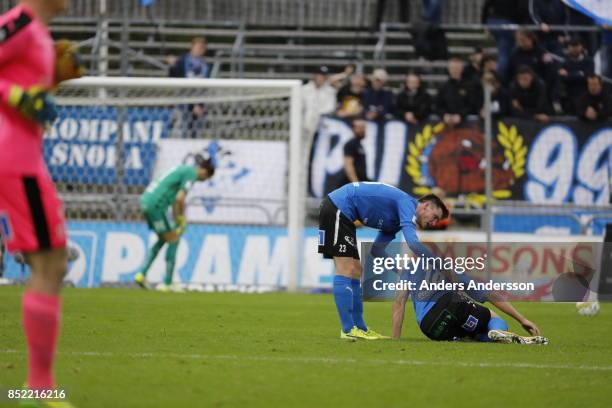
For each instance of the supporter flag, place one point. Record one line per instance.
(598, 10)
(147, 3)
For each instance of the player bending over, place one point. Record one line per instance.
(452, 315)
(169, 190)
(378, 206)
(31, 216)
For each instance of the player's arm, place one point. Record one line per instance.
(33, 103)
(415, 245)
(178, 210)
(508, 309)
(349, 169)
(380, 243)
(398, 312)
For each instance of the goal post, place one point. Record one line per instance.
(115, 135)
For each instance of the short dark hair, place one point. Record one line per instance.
(206, 164)
(432, 198)
(198, 40)
(592, 75)
(529, 34)
(525, 69)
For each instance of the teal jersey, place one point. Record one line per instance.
(161, 193)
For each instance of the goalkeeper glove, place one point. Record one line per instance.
(33, 103)
(181, 224)
(68, 62)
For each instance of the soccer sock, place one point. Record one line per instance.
(496, 323)
(358, 305)
(41, 321)
(343, 295)
(152, 255)
(170, 261)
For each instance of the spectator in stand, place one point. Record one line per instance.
(501, 12)
(191, 65)
(378, 101)
(528, 97)
(413, 103)
(546, 13)
(473, 70)
(500, 100)
(595, 104)
(528, 52)
(350, 97)
(342, 78)
(589, 39)
(318, 98)
(354, 155)
(572, 75)
(489, 64)
(457, 97)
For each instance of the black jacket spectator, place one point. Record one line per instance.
(347, 93)
(528, 97)
(350, 97)
(595, 104)
(418, 102)
(458, 97)
(531, 57)
(572, 73)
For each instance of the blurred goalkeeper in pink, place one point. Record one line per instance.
(31, 220)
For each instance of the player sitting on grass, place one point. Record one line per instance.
(452, 315)
(378, 206)
(170, 190)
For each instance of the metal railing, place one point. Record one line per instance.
(276, 13)
(386, 28)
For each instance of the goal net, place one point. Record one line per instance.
(115, 135)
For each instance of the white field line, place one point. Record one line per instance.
(331, 360)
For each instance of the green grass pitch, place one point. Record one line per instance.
(129, 348)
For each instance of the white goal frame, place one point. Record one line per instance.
(296, 166)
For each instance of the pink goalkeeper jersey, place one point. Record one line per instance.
(27, 58)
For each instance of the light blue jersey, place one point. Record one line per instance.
(378, 205)
(389, 210)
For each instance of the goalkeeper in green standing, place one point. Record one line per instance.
(170, 191)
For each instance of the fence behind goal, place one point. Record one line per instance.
(115, 135)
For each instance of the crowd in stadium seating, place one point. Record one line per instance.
(536, 85)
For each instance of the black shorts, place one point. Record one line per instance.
(337, 234)
(455, 316)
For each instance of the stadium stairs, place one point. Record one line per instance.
(262, 52)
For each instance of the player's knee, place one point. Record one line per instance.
(343, 267)
(170, 237)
